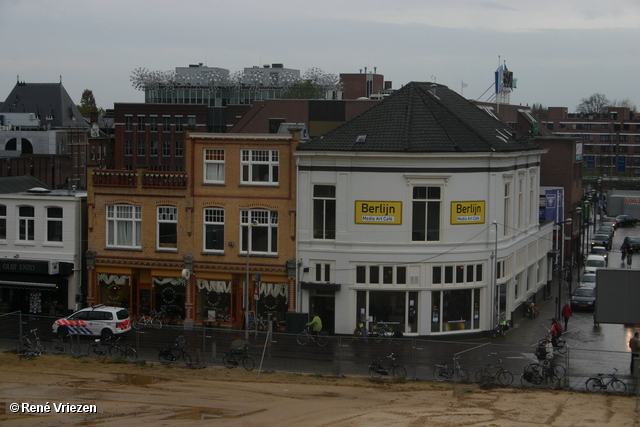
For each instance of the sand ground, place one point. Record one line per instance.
(127, 394)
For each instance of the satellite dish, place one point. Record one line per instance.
(186, 273)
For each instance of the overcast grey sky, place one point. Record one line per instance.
(559, 50)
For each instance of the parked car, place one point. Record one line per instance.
(593, 263)
(602, 240)
(601, 250)
(613, 224)
(99, 320)
(584, 298)
(632, 242)
(626, 221)
(588, 280)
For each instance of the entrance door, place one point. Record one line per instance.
(325, 306)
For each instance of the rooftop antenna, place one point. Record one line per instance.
(433, 78)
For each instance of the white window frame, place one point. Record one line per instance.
(118, 218)
(166, 215)
(212, 217)
(258, 221)
(28, 224)
(51, 221)
(252, 163)
(214, 165)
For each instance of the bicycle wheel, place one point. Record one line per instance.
(528, 383)
(504, 378)
(562, 347)
(554, 382)
(156, 324)
(131, 354)
(618, 386)
(302, 338)
(322, 340)
(559, 371)
(186, 358)
(483, 376)
(593, 384)
(136, 323)
(375, 370)
(461, 376)
(58, 348)
(229, 361)
(248, 363)
(440, 373)
(95, 349)
(26, 355)
(399, 372)
(39, 345)
(115, 352)
(379, 335)
(75, 349)
(165, 357)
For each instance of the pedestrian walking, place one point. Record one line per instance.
(634, 345)
(623, 251)
(629, 258)
(566, 314)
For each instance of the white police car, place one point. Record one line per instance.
(99, 320)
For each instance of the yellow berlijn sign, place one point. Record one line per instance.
(468, 212)
(375, 212)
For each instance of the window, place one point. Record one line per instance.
(213, 229)
(3, 222)
(506, 231)
(623, 149)
(128, 123)
(321, 271)
(390, 274)
(141, 148)
(153, 124)
(166, 123)
(191, 122)
(167, 227)
(166, 148)
(153, 148)
(140, 123)
(521, 210)
(54, 224)
(324, 211)
(179, 148)
(179, 125)
(260, 166)
(426, 214)
(124, 226)
(214, 165)
(128, 148)
(26, 223)
(259, 231)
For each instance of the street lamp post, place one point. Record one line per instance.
(578, 211)
(561, 272)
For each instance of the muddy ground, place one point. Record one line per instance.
(127, 394)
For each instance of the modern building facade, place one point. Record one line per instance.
(421, 213)
(42, 246)
(210, 243)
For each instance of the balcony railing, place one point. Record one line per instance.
(105, 178)
(112, 178)
(165, 179)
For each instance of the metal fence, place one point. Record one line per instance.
(342, 355)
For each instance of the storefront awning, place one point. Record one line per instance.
(38, 281)
(335, 287)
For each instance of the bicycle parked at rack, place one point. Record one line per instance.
(175, 352)
(152, 320)
(457, 373)
(501, 329)
(530, 309)
(539, 373)
(119, 349)
(383, 331)
(606, 381)
(66, 344)
(31, 347)
(502, 376)
(99, 347)
(377, 368)
(305, 336)
(237, 356)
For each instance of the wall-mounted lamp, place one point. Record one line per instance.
(232, 244)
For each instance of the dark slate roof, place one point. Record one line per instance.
(422, 118)
(44, 99)
(19, 184)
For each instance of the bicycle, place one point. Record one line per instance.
(167, 356)
(119, 350)
(530, 309)
(560, 347)
(501, 329)
(503, 376)
(305, 336)
(238, 355)
(99, 347)
(383, 331)
(66, 343)
(377, 369)
(31, 349)
(598, 383)
(362, 333)
(151, 320)
(534, 374)
(443, 372)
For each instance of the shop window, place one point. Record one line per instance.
(398, 310)
(455, 310)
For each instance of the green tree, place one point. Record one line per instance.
(305, 89)
(87, 103)
(597, 103)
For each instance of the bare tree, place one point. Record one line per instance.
(625, 103)
(595, 104)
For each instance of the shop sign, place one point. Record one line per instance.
(378, 212)
(29, 266)
(468, 212)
